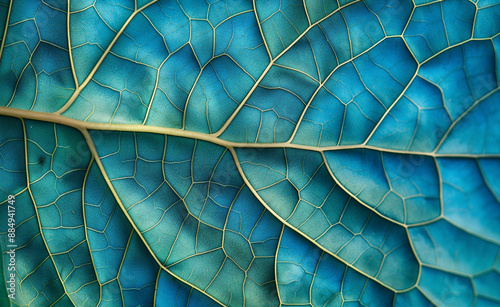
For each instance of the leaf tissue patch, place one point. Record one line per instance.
(250, 153)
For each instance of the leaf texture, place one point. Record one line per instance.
(250, 153)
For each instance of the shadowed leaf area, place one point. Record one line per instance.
(250, 153)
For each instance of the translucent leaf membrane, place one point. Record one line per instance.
(310, 277)
(56, 172)
(123, 264)
(436, 26)
(190, 205)
(309, 86)
(53, 263)
(456, 80)
(296, 184)
(92, 26)
(75, 245)
(374, 181)
(471, 195)
(35, 66)
(165, 78)
(97, 229)
(12, 161)
(290, 70)
(404, 188)
(477, 131)
(4, 13)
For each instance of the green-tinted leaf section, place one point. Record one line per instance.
(240, 58)
(265, 118)
(282, 22)
(239, 38)
(220, 11)
(457, 292)
(12, 166)
(359, 101)
(141, 43)
(347, 107)
(404, 188)
(169, 19)
(57, 162)
(34, 62)
(122, 262)
(111, 294)
(250, 226)
(306, 275)
(37, 282)
(310, 49)
(4, 15)
(35, 66)
(4, 299)
(221, 87)
(119, 98)
(176, 78)
(393, 14)
(93, 25)
(188, 200)
(150, 73)
(486, 286)
(413, 297)
(297, 186)
(108, 230)
(137, 274)
(12, 161)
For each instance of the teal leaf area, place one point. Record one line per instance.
(250, 153)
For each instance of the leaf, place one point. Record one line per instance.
(250, 153)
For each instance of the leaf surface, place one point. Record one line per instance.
(250, 153)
